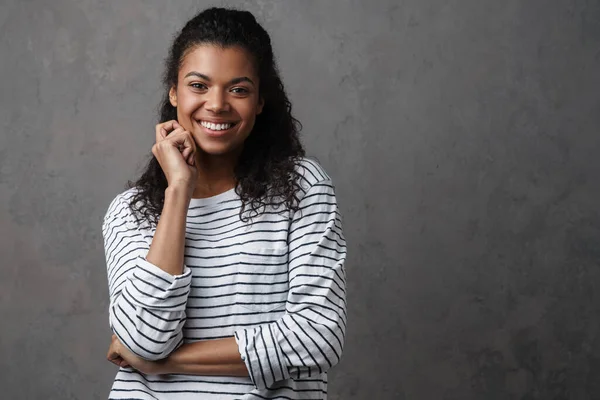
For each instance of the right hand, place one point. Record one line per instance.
(175, 150)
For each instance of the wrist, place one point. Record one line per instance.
(179, 191)
(167, 366)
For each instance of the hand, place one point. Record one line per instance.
(121, 356)
(175, 150)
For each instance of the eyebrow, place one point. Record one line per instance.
(231, 82)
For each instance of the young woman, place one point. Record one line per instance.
(226, 258)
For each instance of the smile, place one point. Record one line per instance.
(217, 127)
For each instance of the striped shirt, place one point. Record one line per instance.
(275, 283)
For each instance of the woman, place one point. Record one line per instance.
(226, 258)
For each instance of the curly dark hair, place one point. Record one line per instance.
(265, 172)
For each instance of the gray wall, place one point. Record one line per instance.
(463, 140)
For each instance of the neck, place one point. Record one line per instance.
(215, 174)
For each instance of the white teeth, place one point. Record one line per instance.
(215, 127)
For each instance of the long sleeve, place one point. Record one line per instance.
(147, 304)
(309, 337)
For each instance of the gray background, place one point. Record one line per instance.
(463, 140)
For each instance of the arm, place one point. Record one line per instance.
(309, 338)
(218, 357)
(148, 285)
(168, 243)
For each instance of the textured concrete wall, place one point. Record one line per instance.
(463, 140)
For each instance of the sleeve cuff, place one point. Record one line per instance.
(156, 289)
(262, 356)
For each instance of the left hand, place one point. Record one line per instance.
(121, 356)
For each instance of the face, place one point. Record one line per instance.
(217, 98)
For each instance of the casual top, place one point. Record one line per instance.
(276, 283)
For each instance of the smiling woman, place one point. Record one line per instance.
(225, 259)
(217, 98)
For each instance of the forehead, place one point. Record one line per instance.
(220, 64)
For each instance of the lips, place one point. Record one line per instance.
(217, 130)
(217, 125)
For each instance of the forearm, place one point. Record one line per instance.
(147, 303)
(167, 248)
(209, 357)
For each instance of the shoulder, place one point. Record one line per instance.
(311, 173)
(120, 206)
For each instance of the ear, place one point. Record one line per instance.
(173, 96)
(261, 104)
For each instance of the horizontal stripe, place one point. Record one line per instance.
(276, 283)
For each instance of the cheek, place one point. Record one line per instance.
(249, 120)
(248, 111)
(187, 104)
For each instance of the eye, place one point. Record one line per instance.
(197, 85)
(239, 90)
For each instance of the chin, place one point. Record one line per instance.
(217, 149)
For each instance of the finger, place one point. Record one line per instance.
(192, 157)
(189, 141)
(169, 135)
(182, 140)
(112, 354)
(174, 132)
(116, 361)
(119, 362)
(163, 129)
(187, 152)
(113, 349)
(189, 158)
(177, 134)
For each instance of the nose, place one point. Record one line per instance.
(216, 101)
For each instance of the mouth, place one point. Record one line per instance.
(216, 127)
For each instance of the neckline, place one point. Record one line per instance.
(216, 199)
